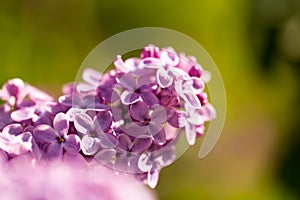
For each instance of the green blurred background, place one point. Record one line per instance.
(255, 44)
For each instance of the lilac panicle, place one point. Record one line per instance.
(127, 119)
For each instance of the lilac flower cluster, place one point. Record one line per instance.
(127, 119)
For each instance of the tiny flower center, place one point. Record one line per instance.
(146, 121)
(61, 140)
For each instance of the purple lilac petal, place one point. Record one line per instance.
(149, 98)
(124, 142)
(141, 144)
(70, 100)
(128, 81)
(72, 143)
(104, 120)
(54, 151)
(105, 156)
(159, 115)
(83, 123)
(121, 163)
(139, 111)
(107, 140)
(44, 134)
(13, 129)
(135, 130)
(160, 137)
(129, 97)
(154, 128)
(61, 124)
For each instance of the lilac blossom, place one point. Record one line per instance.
(14, 140)
(146, 122)
(91, 78)
(137, 88)
(151, 163)
(192, 118)
(94, 136)
(57, 139)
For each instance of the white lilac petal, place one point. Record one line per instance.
(91, 76)
(120, 65)
(152, 178)
(61, 124)
(151, 62)
(143, 163)
(209, 112)
(89, 145)
(132, 63)
(169, 57)
(164, 79)
(190, 133)
(37, 94)
(85, 88)
(23, 114)
(206, 76)
(83, 123)
(72, 112)
(191, 98)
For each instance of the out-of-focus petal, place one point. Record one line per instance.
(23, 114)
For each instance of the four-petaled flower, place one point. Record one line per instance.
(56, 140)
(93, 130)
(146, 122)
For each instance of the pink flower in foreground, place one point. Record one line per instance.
(22, 180)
